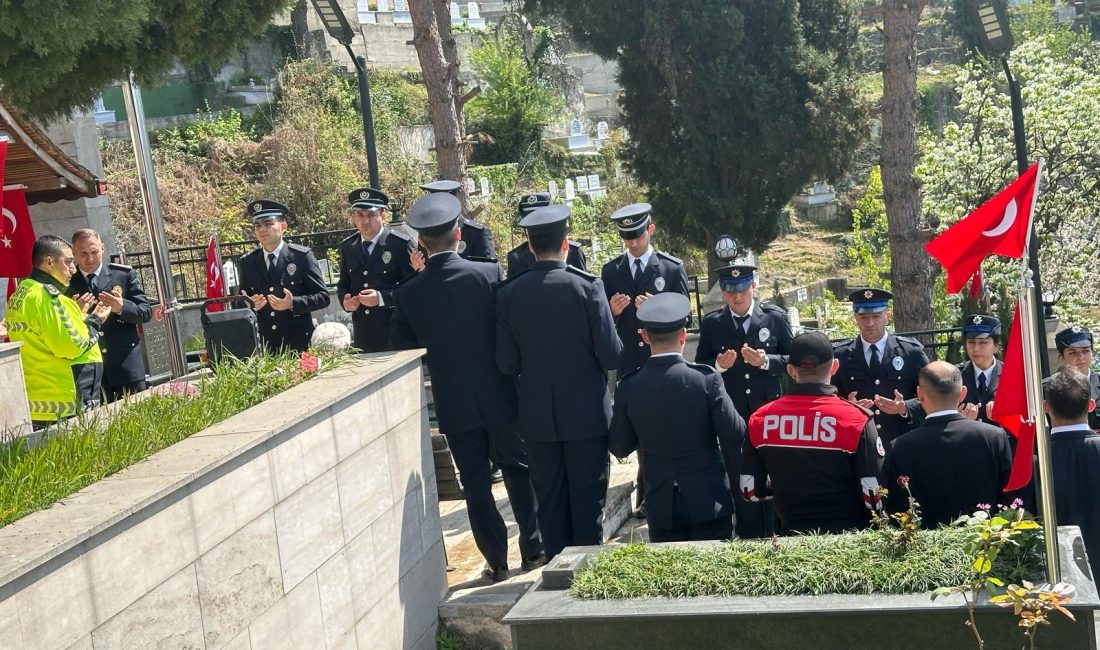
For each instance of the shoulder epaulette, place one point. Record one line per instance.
(475, 258)
(572, 244)
(847, 343)
(299, 248)
(519, 249)
(50, 289)
(584, 274)
(475, 224)
(911, 341)
(349, 238)
(702, 367)
(668, 257)
(401, 234)
(630, 373)
(252, 252)
(504, 282)
(119, 267)
(772, 307)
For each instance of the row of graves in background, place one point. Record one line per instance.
(372, 11)
(588, 185)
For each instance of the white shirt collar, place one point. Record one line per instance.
(988, 372)
(881, 345)
(1066, 428)
(278, 251)
(442, 253)
(644, 257)
(664, 354)
(374, 240)
(98, 272)
(752, 306)
(937, 414)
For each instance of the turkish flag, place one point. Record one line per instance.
(999, 227)
(1010, 407)
(3, 158)
(215, 283)
(16, 235)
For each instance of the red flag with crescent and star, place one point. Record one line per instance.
(999, 227)
(215, 283)
(16, 235)
(1010, 408)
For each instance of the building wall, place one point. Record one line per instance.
(310, 521)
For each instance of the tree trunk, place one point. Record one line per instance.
(441, 80)
(307, 43)
(910, 268)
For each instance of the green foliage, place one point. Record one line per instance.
(198, 138)
(869, 248)
(56, 56)
(863, 562)
(731, 107)
(93, 446)
(514, 105)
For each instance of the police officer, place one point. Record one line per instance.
(953, 463)
(117, 286)
(820, 454)
(630, 279)
(477, 239)
(689, 495)
(475, 403)
(62, 364)
(555, 331)
(521, 258)
(372, 262)
(878, 370)
(982, 372)
(1074, 345)
(747, 342)
(282, 279)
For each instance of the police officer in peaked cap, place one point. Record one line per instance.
(521, 258)
(283, 280)
(981, 373)
(747, 342)
(1074, 345)
(372, 262)
(878, 370)
(477, 239)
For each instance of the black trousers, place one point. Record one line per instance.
(89, 384)
(570, 479)
(115, 393)
(683, 530)
(755, 520)
(472, 451)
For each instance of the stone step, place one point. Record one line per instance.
(474, 608)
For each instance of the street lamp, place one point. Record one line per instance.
(338, 27)
(990, 21)
(726, 248)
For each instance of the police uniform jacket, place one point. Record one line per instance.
(521, 258)
(448, 309)
(970, 380)
(555, 332)
(667, 395)
(953, 464)
(1075, 465)
(477, 241)
(748, 386)
(662, 272)
(386, 266)
(296, 270)
(822, 456)
(898, 369)
(119, 340)
(1094, 416)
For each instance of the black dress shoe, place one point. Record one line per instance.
(499, 574)
(534, 563)
(640, 512)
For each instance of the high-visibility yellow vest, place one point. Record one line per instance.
(55, 337)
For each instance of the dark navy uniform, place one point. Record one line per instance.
(382, 268)
(119, 339)
(818, 454)
(688, 475)
(556, 334)
(764, 327)
(295, 270)
(452, 300)
(896, 369)
(477, 239)
(1077, 336)
(1075, 466)
(521, 258)
(953, 464)
(980, 385)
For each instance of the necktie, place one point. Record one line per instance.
(271, 265)
(740, 320)
(874, 360)
(367, 246)
(91, 283)
(981, 385)
(637, 268)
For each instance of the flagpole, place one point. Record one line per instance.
(1033, 382)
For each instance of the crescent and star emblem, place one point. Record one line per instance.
(628, 222)
(1076, 329)
(735, 273)
(4, 239)
(1006, 222)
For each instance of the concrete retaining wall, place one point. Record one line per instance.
(308, 521)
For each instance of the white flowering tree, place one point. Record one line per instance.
(974, 158)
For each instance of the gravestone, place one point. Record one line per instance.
(401, 15)
(578, 139)
(802, 295)
(553, 189)
(367, 18)
(470, 186)
(456, 14)
(473, 16)
(794, 320)
(582, 183)
(229, 275)
(601, 130)
(593, 181)
(570, 192)
(383, 5)
(575, 127)
(484, 186)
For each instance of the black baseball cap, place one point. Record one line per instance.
(810, 350)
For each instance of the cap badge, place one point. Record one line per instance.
(628, 222)
(659, 283)
(977, 320)
(1076, 329)
(735, 273)
(364, 194)
(386, 257)
(461, 247)
(256, 207)
(868, 294)
(291, 268)
(899, 363)
(532, 199)
(765, 334)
